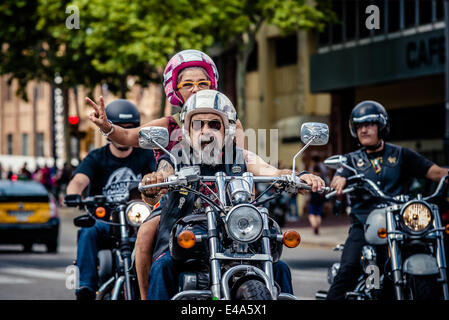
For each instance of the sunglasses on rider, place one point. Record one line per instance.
(203, 84)
(212, 124)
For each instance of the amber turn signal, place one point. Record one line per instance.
(446, 229)
(100, 212)
(291, 239)
(382, 233)
(186, 239)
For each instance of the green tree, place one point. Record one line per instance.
(236, 23)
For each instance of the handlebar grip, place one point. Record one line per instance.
(156, 185)
(334, 193)
(72, 200)
(307, 187)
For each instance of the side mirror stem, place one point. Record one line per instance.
(298, 154)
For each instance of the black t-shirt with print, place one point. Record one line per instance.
(105, 170)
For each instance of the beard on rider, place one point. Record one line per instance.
(207, 137)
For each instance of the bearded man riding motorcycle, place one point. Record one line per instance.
(187, 72)
(390, 166)
(208, 125)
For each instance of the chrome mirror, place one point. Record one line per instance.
(156, 138)
(153, 138)
(335, 162)
(314, 133)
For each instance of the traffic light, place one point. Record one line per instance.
(74, 120)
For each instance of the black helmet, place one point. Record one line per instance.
(370, 111)
(122, 111)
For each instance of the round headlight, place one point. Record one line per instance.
(416, 216)
(244, 223)
(137, 212)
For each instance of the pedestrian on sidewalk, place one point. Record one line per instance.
(316, 203)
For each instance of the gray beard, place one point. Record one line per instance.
(210, 155)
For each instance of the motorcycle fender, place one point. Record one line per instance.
(375, 221)
(421, 265)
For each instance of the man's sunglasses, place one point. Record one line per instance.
(203, 84)
(212, 124)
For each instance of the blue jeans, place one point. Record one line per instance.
(90, 241)
(165, 271)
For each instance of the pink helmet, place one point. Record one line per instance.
(182, 60)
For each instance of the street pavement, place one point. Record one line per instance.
(333, 231)
(43, 276)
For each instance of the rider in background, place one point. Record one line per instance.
(101, 168)
(390, 166)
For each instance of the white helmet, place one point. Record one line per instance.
(209, 101)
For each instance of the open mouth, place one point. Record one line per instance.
(206, 141)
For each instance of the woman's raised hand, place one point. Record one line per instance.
(98, 115)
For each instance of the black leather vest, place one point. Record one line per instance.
(179, 204)
(388, 179)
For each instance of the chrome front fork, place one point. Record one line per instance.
(440, 254)
(268, 265)
(215, 264)
(396, 261)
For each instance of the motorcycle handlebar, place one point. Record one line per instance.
(334, 192)
(257, 179)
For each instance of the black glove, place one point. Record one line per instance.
(72, 200)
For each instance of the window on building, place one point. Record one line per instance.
(409, 13)
(253, 60)
(323, 37)
(286, 49)
(25, 144)
(351, 20)
(439, 10)
(425, 11)
(10, 143)
(40, 144)
(8, 91)
(364, 32)
(393, 15)
(337, 28)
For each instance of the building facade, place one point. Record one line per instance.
(28, 129)
(397, 60)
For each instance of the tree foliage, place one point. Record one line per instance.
(116, 39)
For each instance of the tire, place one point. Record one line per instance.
(423, 288)
(52, 247)
(253, 290)
(105, 265)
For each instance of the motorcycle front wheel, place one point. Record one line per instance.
(423, 288)
(253, 290)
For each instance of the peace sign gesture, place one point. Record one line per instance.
(98, 115)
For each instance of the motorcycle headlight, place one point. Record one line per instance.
(244, 223)
(137, 212)
(416, 216)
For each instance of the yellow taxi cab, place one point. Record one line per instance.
(28, 215)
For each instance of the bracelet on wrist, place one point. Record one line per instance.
(106, 134)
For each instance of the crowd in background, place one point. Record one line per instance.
(55, 180)
(285, 208)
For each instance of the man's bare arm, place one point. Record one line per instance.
(77, 185)
(435, 173)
